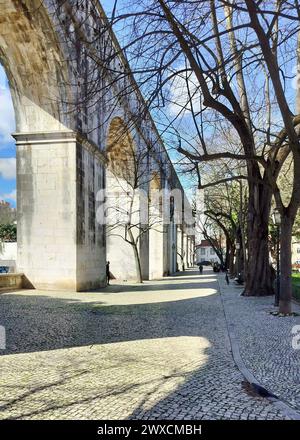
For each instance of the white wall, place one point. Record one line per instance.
(8, 255)
(295, 251)
(200, 217)
(207, 256)
(60, 244)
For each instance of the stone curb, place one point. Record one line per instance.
(282, 406)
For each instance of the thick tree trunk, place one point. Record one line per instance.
(258, 276)
(229, 262)
(285, 299)
(139, 278)
(239, 263)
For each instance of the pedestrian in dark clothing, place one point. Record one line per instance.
(200, 268)
(107, 273)
(227, 277)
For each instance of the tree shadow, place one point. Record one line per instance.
(166, 283)
(119, 288)
(39, 322)
(17, 407)
(36, 323)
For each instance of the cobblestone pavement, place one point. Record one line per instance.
(265, 342)
(156, 351)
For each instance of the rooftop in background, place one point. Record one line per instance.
(204, 243)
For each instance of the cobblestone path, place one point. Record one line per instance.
(156, 351)
(265, 342)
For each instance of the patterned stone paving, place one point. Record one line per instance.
(156, 351)
(265, 342)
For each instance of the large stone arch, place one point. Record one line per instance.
(36, 69)
(157, 230)
(60, 245)
(122, 197)
(164, 215)
(120, 151)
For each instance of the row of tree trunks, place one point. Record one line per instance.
(258, 280)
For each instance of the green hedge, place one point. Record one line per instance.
(296, 286)
(296, 292)
(8, 232)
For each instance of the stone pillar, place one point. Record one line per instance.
(184, 246)
(144, 255)
(60, 244)
(120, 254)
(166, 249)
(172, 248)
(158, 244)
(156, 252)
(192, 251)
(121, 201)
(179, 248)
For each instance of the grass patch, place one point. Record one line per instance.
(296, 285)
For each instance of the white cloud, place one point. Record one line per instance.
(9, 196)
(7, 114)
(181, 91)
(8, 168)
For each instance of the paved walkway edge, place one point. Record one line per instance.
(235, 351)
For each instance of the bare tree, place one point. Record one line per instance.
(224, 49)
(235, 60)
(132, 209)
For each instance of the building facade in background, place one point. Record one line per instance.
(205, 252)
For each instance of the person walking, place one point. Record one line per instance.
(227, 277)
(107, 272)
(200, 268)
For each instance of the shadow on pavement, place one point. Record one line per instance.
(49, 321)
(35, 323)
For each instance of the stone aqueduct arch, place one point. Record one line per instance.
(121, 173)
(120, 150)
(61, 139)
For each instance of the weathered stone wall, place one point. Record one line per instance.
(90, 237)
(8, 255)
(11, 281)
(65, 100)
(31, 55)
(46, 201)
(179, 248)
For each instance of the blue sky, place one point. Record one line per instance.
(7, 144)
(108, 5)
(7, 126)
